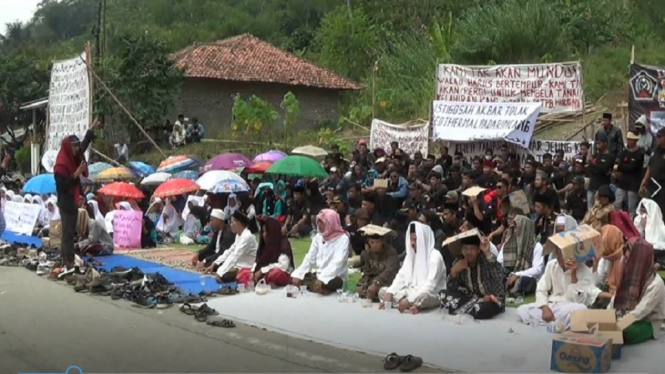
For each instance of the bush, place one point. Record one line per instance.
(23, 159)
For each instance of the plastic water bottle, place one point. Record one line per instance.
(556, 327)
(250, 286)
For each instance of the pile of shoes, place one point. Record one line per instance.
(203, 312)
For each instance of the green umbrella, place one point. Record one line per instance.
(298, 165)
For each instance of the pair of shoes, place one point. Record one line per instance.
(203, 312)
(404, 363)
(226, 323)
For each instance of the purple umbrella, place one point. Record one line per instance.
(227, 161)
(270, 156)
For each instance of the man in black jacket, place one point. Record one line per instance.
(599, 168)
(628, 174)
(221, 240)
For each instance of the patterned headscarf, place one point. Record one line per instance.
(637, 273)
(520, 240)
(613, 243)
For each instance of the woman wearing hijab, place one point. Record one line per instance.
(192, 225)
(328, 253)
(69, 166)
(148, 233)
(108, 220)
(521, 256)
(96, 214)
(178, 136)
(169, 224)
(274, 257)
(232, 204)
(42, 219)
(640, 293)
(607, 267)
(93, 238)
(649, 222)
(421, 277)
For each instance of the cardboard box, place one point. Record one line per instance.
(516, 199)
(581, 353)
(473, 191)
(455, 245)
(602, 323)
(380, 183)
(376, 230)
(579, 243)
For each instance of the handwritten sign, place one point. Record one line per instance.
(468, 122)
(557, 86)
(411, 139)
(68, 101)
(21, 217)
(127, 225)
(537, 148)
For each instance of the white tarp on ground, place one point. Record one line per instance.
(469, 122)
(477, 347)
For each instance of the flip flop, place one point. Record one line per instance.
(226, 323)
(188, 309)
(226, 290)
(392, 361)
(411, 363)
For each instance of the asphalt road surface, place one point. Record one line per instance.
(45, 327)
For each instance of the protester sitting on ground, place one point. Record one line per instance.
(274, 257)
(476, 282)
(359, 219)
(235, 264)
(232, 204)
(53, 214)
(195, 131)
(222, 239)
(169, 224)
(576, 199)
(110, 216)
(521, 256)
(421, 277)
(640, 293)
(194, 219)
(607, 266)
(599, 214)
(328, 254)
(148, 233)
(154, 211)
(380, 263)
(546, 217)
(96, 214)
(93, 238)
(43, 217)
(649, 222)
(178, 136)
(298, 222)
(566, 286)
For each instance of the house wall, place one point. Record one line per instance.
(211, 101)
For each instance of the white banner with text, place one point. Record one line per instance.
(21, 217)
(558, 86)
(537, 148)
(468, 122)
(411, 138)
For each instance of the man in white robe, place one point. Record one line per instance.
(422, 275)
(236, 263)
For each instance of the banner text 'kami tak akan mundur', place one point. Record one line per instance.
(558, 86)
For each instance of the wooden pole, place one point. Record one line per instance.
(376, 66)
(101, 83)
(100, 154)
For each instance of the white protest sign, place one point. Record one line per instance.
(21, 217)
(468, 122)
(558, 86)
(68, 101)
(537, 148)
(411, 139)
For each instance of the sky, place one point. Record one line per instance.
(12, 10)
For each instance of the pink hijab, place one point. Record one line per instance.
(329, 220)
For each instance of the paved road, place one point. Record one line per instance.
(45, 327)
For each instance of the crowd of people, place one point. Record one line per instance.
(387, 214)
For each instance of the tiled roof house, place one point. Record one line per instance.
(244, 64)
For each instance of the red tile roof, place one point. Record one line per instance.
(246, 58)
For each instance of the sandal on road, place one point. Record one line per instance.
(411, 363)
(226, 323)
(392, 361)
(226, 290)
(188, 309)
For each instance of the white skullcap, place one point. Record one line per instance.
(219, 214)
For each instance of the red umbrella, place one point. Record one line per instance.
(259, 167)
(122, 189)
(175, 187)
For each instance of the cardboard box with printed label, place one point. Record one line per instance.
(579, 243)
(581, 353)
(602, 322)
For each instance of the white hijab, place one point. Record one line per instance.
(416, 262)
(55, 214)
(196, 201)
(27, 198)
(43, 218)
(99, 218)
(653, 232)
(171, 224)
(18, 199)
(229, 210)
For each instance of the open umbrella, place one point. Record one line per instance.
(156, 179)
(187, 174)
(141, 168)
(298, 165)
(227, 161)
(208, 180)
(98, 167)
(43, 184)
(270, 156)
(259, 167)
(114, 173)
(309, 150)
(229, 186)
(122, 189)
(174, 164)
(175, 187)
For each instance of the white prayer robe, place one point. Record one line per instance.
(651, 306)
(241, 254)
(653, 232)
(328, 258)
(555, 289)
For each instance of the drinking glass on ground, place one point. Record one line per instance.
(388, 305)
(303, 290)
(241, 288)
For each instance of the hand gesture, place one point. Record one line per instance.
(473, 199)
(511, 280)
(81, 168)
(571, 264)
(195, 259)
(548, 315)
(403, 305)
(458, 267)
(485, 245)
(97, 124)
(210, 269)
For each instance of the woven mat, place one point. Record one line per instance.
(175, 258)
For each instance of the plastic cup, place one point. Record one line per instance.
(241, 288)
(388, 305)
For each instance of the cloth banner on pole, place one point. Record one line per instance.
(411, 139)
(647, 95)
(537, 148)
(21, 217)
(558, 86)
(127, 227)
(468, 122)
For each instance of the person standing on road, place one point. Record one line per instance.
(70, 165)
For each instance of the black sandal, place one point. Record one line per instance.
(226, 323)
(392, 361)
(411, 363)
(188, 309)
(226, 290)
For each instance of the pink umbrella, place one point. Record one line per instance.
(270, 156)
(227, 161)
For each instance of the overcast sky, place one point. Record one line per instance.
(12, 10)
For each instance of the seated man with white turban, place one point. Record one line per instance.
(221, 240)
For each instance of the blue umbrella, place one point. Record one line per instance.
(141, 168)
(230, 186)
(187, 174)
(43, 184)
(98, 167)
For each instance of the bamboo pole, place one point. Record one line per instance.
(101, 83)
(112, 161)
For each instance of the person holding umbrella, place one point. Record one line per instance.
(70, 165)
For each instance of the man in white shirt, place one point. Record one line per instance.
(222, 239)
(122, 151)
(242, 254)
(566, 286)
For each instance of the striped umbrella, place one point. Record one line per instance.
(98, 167)
(114, 173)
(177, 163)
